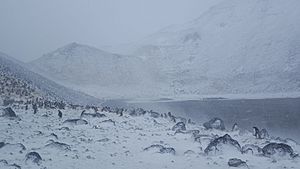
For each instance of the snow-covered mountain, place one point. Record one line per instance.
(92, 70)
(238, 46)
(19, 83)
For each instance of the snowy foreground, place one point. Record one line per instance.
(132, 140)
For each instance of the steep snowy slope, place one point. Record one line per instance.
(238, 46)
(92, 70)
(17, 82)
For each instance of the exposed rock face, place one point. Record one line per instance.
(160, 149)
(218, 145)
(235, 162)
(215, 123)
(33, 157)
(75, 122)
(180, 126)
(278, 149)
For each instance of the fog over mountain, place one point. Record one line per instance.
(236, 47)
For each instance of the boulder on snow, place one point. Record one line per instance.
(58, 145)
(251, 148)
(157, 148)
(278, 149)
(33, 157)
(215, 123)
(137, 112)
(9, 113)
(235, 162)
(75, 122)
(91, 115)
(180, 126)
(154, 114)
(220, 144)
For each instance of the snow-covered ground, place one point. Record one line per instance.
(125, 141)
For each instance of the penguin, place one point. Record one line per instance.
(82, 113)
(264, 134)
(256, 132)
(59, 114)
(235, 127)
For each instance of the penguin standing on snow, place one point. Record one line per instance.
(235, 127)
(256, 132)
(59, 114)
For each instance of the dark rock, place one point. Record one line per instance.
(137, 112)
(179, 126)
(161, 149)
(75, 122)
(33, 157)
(91, 115)
(58, 145)
(218, 144)
(215, 123)
(9, 113)
(235, 162)
(253, 149)
(109, 121)
(2, 144)
(154, 114)
(278, 149)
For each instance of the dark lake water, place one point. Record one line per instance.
(281, 117)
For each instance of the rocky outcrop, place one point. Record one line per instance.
(160, 149)
(33, 157)
(235, 162)
(278, 149)
(218, 145)
(215, 123)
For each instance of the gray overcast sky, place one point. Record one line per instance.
(30, 28)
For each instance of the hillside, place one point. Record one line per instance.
(236, 47)
(94, 71)
(19, 83)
